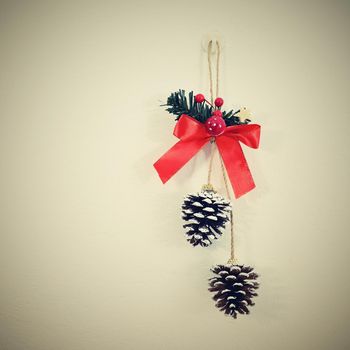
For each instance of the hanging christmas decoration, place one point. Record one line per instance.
(206, 213)
(196, 126)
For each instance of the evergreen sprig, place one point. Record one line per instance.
(178, 103)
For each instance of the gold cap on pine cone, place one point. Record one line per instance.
(232, 261)
(208, 187)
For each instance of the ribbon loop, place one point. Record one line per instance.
(249, 134)
(187, 129)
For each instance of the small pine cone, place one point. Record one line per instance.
(234, 287)
(206, 214)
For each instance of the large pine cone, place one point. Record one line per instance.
(234, 287)
(206, 214)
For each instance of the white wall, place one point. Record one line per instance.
(92, 249)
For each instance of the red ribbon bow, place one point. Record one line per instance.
(193, 136)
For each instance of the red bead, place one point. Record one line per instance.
(219, 102)
(215, 125)
(199, 98)
(217, 113)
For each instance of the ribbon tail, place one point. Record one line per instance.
(176, 157)
(236, 165)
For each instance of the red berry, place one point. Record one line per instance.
(215, 125)
(199, 98)
(217, 113)
(219, 102)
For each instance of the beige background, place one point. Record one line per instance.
(92, 249)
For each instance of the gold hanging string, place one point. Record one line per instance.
(212, 153)
(210, 46)
(213, 145)
(217, 68)
(232, 259)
